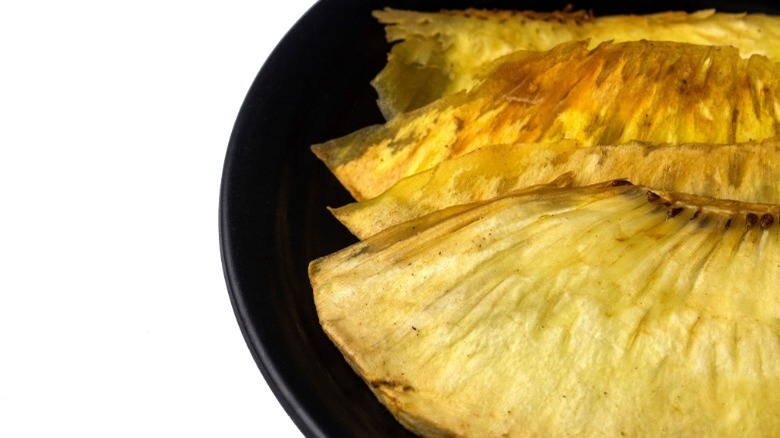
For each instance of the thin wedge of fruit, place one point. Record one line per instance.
(613, 94)
(605, 310)
(745, 172)
(437, 54)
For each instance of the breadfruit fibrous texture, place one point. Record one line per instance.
(575, 233)
(596, 311)
(656, 92)
(745, 171)
(437, 54)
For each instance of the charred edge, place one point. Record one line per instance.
(360, 251)
(652, 197)
(391, 384)
(750, 220)
(621, 182)
(767, 220)
(672, 212)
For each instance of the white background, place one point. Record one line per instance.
(114, 122)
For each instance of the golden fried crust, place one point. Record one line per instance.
(656, 92)
(437, 54)
(745, 172)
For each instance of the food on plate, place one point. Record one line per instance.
(604, 310)
(657, 92)
(580, 238)
(440, 53)
(744, 171)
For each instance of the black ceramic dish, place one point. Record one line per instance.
(273, 221)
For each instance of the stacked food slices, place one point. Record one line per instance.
(744, 171)
(437, 54)
(583, 242)
(615, 93)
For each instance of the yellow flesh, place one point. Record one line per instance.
(555, 310)
(595, 311)
(438, 54)
(613, 94)
(745, 172)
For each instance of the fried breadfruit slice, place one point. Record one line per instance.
(437, 54)
(606, 310)
(745, 172)
(613, 94)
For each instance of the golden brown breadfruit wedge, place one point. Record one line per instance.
(745, 172)
(437, 54)
(608, 310)
(613, 94)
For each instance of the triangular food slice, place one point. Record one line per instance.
(440, 53)
(607, 310)
(745, 172)
(613, 94)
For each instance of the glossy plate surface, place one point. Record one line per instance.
(273, 221)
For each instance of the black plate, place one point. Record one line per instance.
(314, 87)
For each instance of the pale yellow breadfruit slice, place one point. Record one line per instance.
(745, 172)
(613, 94)
(437, 54)
(610, 310)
